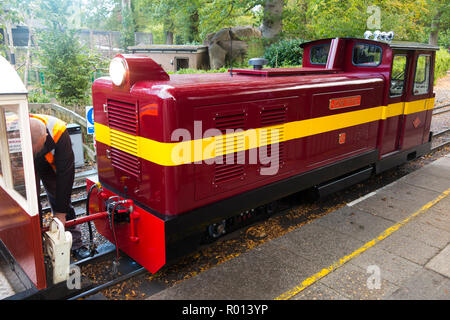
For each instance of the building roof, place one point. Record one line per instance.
(10, 82)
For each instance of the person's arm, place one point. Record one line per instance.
(65, 172)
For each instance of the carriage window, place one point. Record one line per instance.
(11, 119)
(366, 55)
(398, 75)
(422, 75)
(319, 54)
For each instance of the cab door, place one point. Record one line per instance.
(396, 101)
(419, 101)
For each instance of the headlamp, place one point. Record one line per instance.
(117, 71)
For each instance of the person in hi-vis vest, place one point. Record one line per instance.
(54, 165)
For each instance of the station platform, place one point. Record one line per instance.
(393, 243)
(6, 290)
(10, 282)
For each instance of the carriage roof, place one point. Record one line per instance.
(10, 82)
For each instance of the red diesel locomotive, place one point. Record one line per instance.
(184, 156)
(193, 151)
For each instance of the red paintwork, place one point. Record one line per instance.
(140, 67)
(21, 234)
(283, 71)
(167, 105)
(144, 241)
(158, 182)
(188, 98)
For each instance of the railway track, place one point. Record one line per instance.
(126, 269)
(78, 188)
(445, 106)
(439, 135)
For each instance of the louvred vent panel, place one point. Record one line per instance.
(232, 167)
(123, 118)
(273, 117)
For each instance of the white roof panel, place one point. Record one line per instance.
(10, 82)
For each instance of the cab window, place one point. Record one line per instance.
(398, 75)
(422, 75)
(366, 55)
(12, 168)
(319, 54)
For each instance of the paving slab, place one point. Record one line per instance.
(408, 248)
(263, 273)
(438, 168)
(428, 181)
(319, 244)
(397, 202)
(189, 290)
(426, 233)
(441, 262)
(319, 291)
(393, 268)
(423, 285)
(352, 282)
(432, 171)
(437, 216)
(355, 223)
(442, 206)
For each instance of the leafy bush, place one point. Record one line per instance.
(190, 71)
(442, 64)
(285, 52)
(35, 96)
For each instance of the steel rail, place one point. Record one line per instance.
(95, 289)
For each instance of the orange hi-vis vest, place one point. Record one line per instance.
(56, 128)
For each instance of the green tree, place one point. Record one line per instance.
(191, 20)
(437, 20)
(9, 14)
(67, 64)
(101, 15)
(128, 28)
(331, 18)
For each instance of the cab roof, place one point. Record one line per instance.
(10, 82)
(395, 44)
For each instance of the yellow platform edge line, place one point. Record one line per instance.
(319, 275)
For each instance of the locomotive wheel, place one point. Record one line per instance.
(272, 207)
(216, 230)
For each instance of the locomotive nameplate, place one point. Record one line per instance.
(340, 103)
